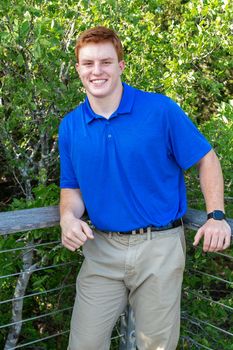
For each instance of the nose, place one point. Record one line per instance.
(97, 68)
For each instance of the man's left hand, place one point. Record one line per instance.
(217, 235)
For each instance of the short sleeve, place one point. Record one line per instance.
(67, 174)
(187, 144)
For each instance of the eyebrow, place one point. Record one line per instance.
(107, 59)
(102, 59)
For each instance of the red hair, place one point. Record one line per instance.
(97, 35)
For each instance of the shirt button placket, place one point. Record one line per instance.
(108, 130)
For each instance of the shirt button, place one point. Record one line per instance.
(109, 136)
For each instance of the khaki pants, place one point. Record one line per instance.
(147, 272)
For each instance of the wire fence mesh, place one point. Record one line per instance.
(47, 303)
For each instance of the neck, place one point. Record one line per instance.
(106, 106)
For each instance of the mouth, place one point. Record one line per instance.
(98, 82)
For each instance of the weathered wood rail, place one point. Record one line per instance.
(31, 219)
(37, 218)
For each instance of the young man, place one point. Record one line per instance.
(123, 152)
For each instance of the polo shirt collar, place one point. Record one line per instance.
(124, 107)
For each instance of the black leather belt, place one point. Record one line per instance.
(171, 225)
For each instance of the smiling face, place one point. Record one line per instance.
(99, 69)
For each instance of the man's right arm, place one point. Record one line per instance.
(75, 232)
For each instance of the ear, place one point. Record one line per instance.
(122, 65)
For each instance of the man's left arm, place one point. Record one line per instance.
(216, 233)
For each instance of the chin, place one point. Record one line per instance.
(99, 93)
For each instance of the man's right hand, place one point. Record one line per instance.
(75, 232)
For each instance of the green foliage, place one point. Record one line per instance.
(207, 297)
(179, 48)
(40, 85)
(42, 196)
(47, 253)
(219, 131)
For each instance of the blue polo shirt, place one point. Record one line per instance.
(130, 167)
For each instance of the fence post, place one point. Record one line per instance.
(127, 329)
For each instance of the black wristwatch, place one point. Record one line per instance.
(216, 215)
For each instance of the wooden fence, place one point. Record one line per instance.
(37, 218)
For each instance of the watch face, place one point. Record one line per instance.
(218, 215)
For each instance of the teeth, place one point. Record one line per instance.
(98, 81)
